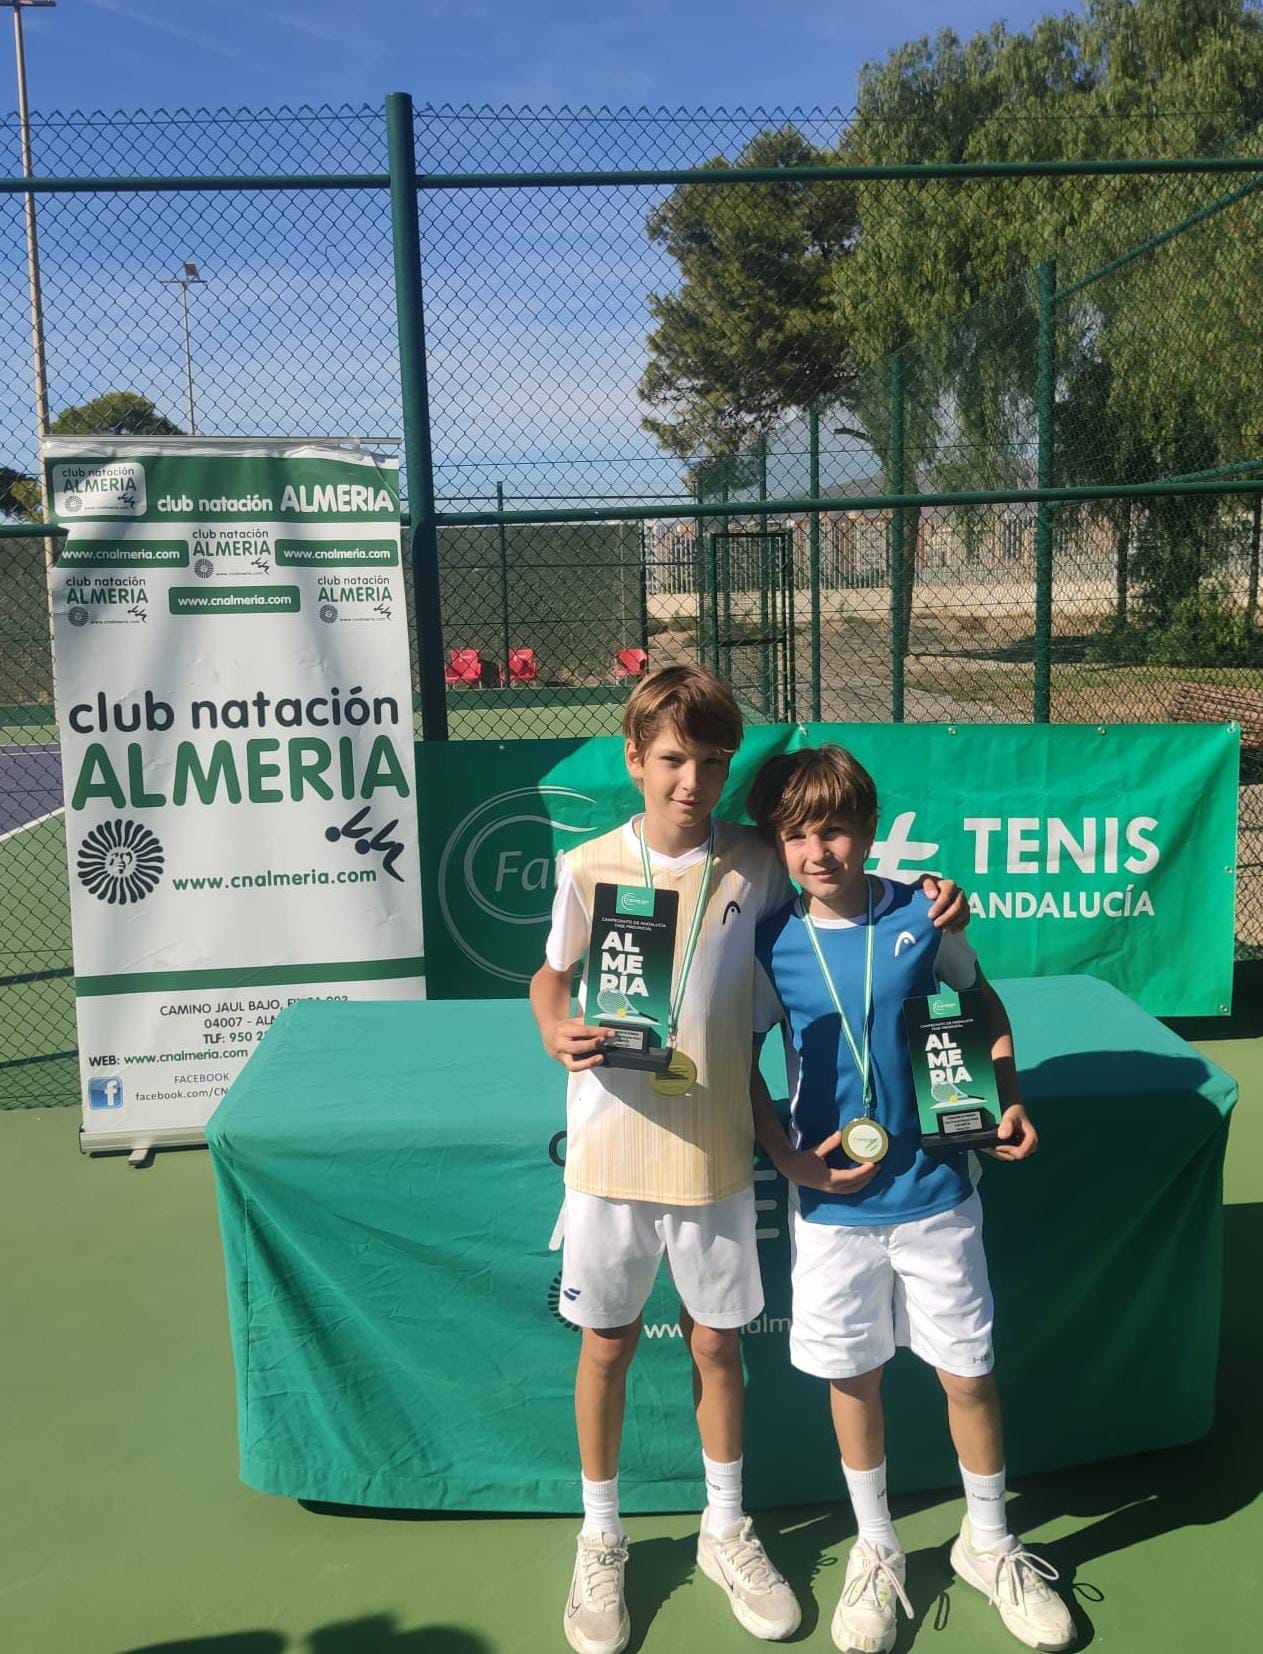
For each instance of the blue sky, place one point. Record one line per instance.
(125, 54)
(537, 302)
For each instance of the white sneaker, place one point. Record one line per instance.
(761, 1599)
(596, 1619)
(864, 1619)
(1014, 1582)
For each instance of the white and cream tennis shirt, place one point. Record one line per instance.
(623, 1140)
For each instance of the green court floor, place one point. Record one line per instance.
(123, 1527)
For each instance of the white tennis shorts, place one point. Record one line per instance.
(859, 1292)
(612, 1249)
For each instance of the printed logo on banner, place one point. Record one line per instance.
(242, 551)
(109, 599)
(354, 597)
(113, 488)
(1009, 852)
(497, 875)
(371, 840)
(105, 1091)
(120, 861)
(899, 851)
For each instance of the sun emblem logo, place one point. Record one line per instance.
(120, 862)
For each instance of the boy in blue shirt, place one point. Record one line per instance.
(886, 1251)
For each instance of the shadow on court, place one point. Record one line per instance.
(373, 1634)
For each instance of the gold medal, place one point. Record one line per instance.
(680, 1076)
(863, 1140)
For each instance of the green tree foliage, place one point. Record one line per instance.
(116, 413)
(1157, 362)
(754, 328)
(11, 505)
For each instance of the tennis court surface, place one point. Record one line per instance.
(125, 1529)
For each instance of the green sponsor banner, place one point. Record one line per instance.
(241, 486)
(1105, 850)
(236, 750)
(344, 553)
(124, 554)
(236, 600)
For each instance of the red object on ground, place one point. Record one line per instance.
(463, 666)
(522, 666)
(631, 663)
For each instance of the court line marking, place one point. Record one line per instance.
(27, 825)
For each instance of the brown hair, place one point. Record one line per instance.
(693, 702)
(804, 789)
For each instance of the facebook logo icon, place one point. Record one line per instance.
(105, 1092)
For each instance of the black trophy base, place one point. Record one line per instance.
(975, 1130)
(630, 1048)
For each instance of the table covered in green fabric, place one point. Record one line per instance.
(388, 1177)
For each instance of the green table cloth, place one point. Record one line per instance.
(388, 1176)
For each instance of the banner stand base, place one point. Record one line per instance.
(143, 1143)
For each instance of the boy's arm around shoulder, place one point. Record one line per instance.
(1018, 1137)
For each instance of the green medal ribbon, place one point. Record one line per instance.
(690, 947)
(863, 1059)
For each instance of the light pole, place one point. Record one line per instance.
(184, 282)
(32, 238)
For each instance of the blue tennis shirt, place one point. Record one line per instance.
(910, 957)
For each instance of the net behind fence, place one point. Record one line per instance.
(623, 375)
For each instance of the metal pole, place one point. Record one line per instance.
(188, 356)
(898, 642)
(502, 536)
(813, 488)
(1045, 391)
(406, 236)
(38, 359)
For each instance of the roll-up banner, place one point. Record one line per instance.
(1105, 850)
(235, 710)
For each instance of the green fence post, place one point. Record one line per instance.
(767, 600)
(502, 536)
(699, 568)
(791, 642)
(1045, 391)
(895, 485)
(813, 489)
(724, 574)
(410, 318)
(714, 603)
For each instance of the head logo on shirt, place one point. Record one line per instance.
(903, 936)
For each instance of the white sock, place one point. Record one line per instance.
(867, 1489)
(723, 1494)
(600, 1507)
(984, 1502)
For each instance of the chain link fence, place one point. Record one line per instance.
(636, 379)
